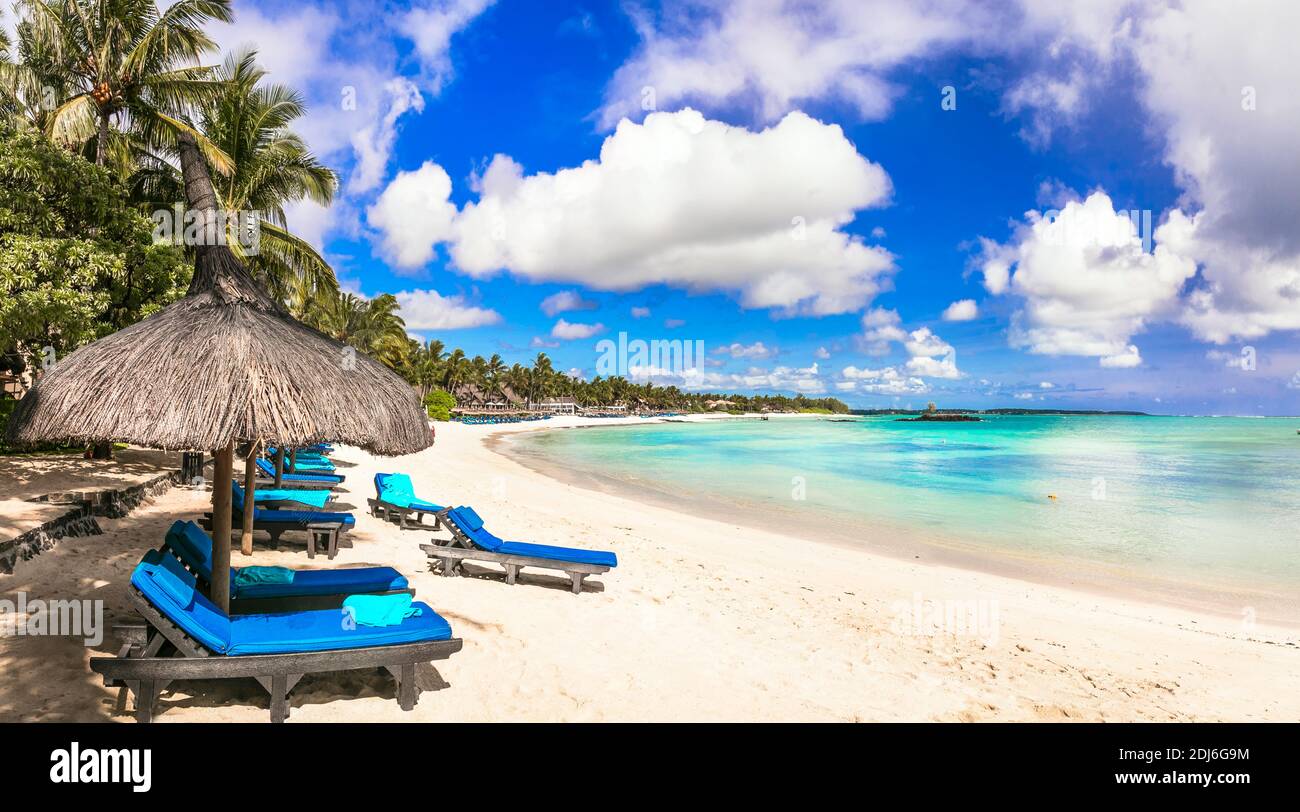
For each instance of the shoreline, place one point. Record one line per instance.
(900, 542)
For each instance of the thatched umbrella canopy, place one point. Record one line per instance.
(225, 364)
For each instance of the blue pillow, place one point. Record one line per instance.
(178, 584)
(473, 522)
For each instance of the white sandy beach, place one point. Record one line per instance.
(701, 620)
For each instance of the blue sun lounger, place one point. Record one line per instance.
(304, 462)
(321, 527)
(309, 589)
(292, 499)
(307, 464)
(187, 637)
(266, 474)
(471, 541)
(395, 495)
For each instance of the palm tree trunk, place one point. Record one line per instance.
(101, 143)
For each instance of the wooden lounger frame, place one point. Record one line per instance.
(326, 534)
(288, 603)
(378, 506)
(451, 552)
(144, 666)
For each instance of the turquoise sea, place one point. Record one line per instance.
(1200, 510)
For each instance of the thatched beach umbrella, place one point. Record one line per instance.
(224, 365)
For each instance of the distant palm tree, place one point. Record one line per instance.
(495, 368)
(539, 378)
(122, 62)
(456, 370)
(424, 365)
(369, 325)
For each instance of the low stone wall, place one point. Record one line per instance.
(80, 520)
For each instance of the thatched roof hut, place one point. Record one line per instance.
(224, 365)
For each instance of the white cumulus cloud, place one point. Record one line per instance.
(569, 330)
(692, 203)
(756, 350)
(564, 302)
(961, 310)
(430, 310)
(774, 55)
(413, 214)
(431, 25)
(1086, 281)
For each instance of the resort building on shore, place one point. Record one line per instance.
(471, 399)
(560, 405)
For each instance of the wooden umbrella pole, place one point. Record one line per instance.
(250, 496)
(293, 460)
(279, 466)
(225, 470)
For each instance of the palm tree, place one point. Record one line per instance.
(424, 365)
(10, 88)
(123, 62)
(249, 121)
(456, 370)
(495, 368)
(539, 377)
(369, 325)
(478, 373)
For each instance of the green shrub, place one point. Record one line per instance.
(7, 405)
(439, 404)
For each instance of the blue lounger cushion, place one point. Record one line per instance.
(314, 465)
(305, 462)
(471, 524)
(310, 452)
(188, 541)
(302, 518)
(324, 630)
(166, 585)
(296, 517)
(268, 470)
(396, 489)
(570, 554)
(316, 499)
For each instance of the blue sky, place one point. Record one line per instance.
(790, 188)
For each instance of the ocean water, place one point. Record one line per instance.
(1205, 508)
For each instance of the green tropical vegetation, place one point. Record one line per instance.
(77, 259)
(93, 94)
(439, 404)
